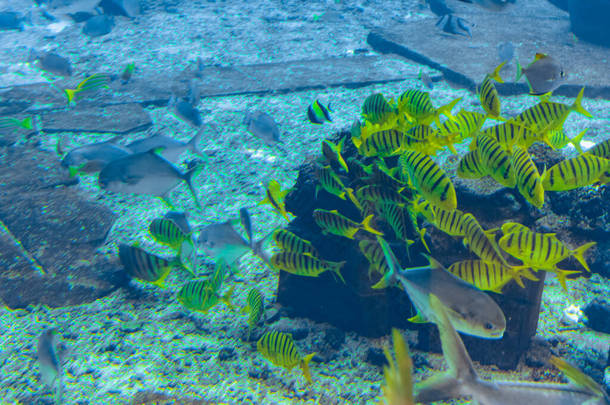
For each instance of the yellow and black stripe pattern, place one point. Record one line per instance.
(279, 349)
(470, 166)
(580, 171)
(289, 242)
(485, 276)
(143, 265)
(166, 232)
(337, 224)
(601, 149)
(429, 179)
(376, 108)
(382, 194)
(506, 134)
(201, 295)
(303, 264)
(496, 160)
(489, 97)
(374, 254)
(465, 123)
(255, 307)
(479, 243)
(450, 222)
(527, 176)
(381, 143)
(421, 133)
(417, 104)
(398, 217)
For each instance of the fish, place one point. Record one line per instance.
(93, 157)
(167, 232)
(450, 222)
(52, 62)
(462, 380)
(600, 149)
(49, 362)
(496, 160)
(383, 194)
(202, 295)
(451, 24)
(274, 196)
(127, 72)
(145, 266)
(470, 166)
(492, 5)
(580, 171)
(303, 264)
(146, 173)
(332, 153)
(180, 219)
(439, 7)
(428, 179)
(374, 254)
(383, 143)
(289, 242)
(506, 52)
(426, 80)
(481, 242)
(376, 108)
(279, 349)
(263, 126)
(87, 86)
(543, 75)
(172, 148)
(418, 105)
(331, 183)
(465, 123)
(558, 139)
(255, 306)
(508, 134)
(98, 26)
(402, 222)
(317, 113)
(528, 179)
(398, 389)
(15, 123)
(222, 242)
(488, 95)
(471, 310)
(185, 111)
(337, 224)
(488, 276)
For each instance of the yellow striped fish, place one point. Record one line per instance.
(330, 182)
(255, 306)
(429, 179)
(374, 254)
(465, 123)
(91, 83)
(146, 266)
(337, 224)
(496, 161)
(383, 176)
(528, 178)
(332, 152)
(488, 95)
(558, 139)
(539, 250)
(381, 143)
(400, 220)
(303, 264)
(384, 194)
(167, 232)
(601, 149)
(376, 108)
(421, 132)
(450, 222)
(279, 349)
(506, 134)
(418, 105)
(201, 295)
(480, 242)
(274, 196)
(470, 166)
(289, 242)
(487, 276)
(546, 116)
(580, 171)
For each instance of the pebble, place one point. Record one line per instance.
(227, 354)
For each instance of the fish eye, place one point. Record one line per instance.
(489, 326)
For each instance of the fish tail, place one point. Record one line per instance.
(577, 106)
(70, 93)
(366, 225)
(579, 254)
(188, 177)
(352, 197)
(305, 366)
(26, 123)
(446, 109)
(73, 171)
(357, 142)
(562, 276)
(192, 145)
(336, 268)
(577, 139)
(519, 71)
(422, 233)
(495, 75)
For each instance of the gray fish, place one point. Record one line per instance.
(98, 26)
(52, 63)
(543, 75)
(185, 111)
(263, 126)
(172, 148)
(49, 362)
(221, 241)
(454, 25)
(145, 173)
(92, 158)
(506, 51)
(493, 5)
(462, 380)
(471, 310)
(426, 79)
(180, 219)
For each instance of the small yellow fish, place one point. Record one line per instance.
(255, 306)
(581, 171)
(337, 224)
(274, 196)
(332, 152)
(146, 266)
(303, 264)
(289, 242)
(398, 389)
(91, 83)
(279, 349)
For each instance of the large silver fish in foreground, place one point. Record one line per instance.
(471, 311)
(461, 380)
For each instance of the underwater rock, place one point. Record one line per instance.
(11, 20)
(589, 20)
(598, 315)
(227, 354)
(116, 119)
(375, 356)
(51, 229)
(98, 26)
(127, 8)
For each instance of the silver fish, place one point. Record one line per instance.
(49, 362)
(471, 310)
(52, 62)
(543, 75)
(145, 173)
(92, 158)
(180, 219)
(263, 126)
(172, 148)
(493, 5)
(462, 379)
(506, 52)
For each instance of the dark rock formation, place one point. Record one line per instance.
(589, 20)
(598, 315)
(562, 4)
(127, 8)
(98, 26)
(48, 247)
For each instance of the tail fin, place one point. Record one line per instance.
(335, 267)
(70, 93)
(577, 139)
(579, 253)
(562, 276)
(461, 372)
(577, 106)
(26, 123)
(399, 382)
(367, 227)
(357, 142)
(188, 178)
(192, 144)
(352, 197)
(577, 377)
(305, 366)
(446, 109)
(519, 71)
(495, 75)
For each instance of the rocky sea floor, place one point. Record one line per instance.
(141, 340)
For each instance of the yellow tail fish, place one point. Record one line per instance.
(279, 349)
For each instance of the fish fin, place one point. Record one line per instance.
(519, 71)
(27, 123)
(577, 106)
(577, 139)
(336, 268)
(419, 318)
(188, 176)
(70, 93)
(577, 377)
(357, 142)
(192, 144)
(446, 109)
(516, 276)
(495, 75)
(540, 55)
(352, 197)
(73, 171)
(304, 365)
(367, 227)
(579, 253)
(562, 276)
(422, 233)
(246, 223)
